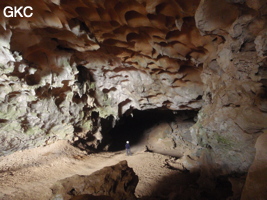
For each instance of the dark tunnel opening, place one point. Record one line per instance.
(133, 127)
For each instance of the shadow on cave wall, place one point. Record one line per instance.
(132, 128)
(179, 185)
(185, 186)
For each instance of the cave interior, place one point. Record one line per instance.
(181, 79)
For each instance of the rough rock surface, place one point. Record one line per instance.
(118, 182)
(91, 197)
(88, 60)
(75, 67)
(255, 186)
(174, 139)
(234, 80)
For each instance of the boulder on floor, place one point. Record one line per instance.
(117, 182)
(91, 197)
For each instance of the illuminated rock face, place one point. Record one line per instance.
(75, 63)
(235, 83)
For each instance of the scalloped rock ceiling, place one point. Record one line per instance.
(76, 62)
(153, 45)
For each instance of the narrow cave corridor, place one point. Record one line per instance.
(134, 127)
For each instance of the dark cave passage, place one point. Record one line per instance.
(133, 127)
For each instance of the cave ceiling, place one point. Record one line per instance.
(149, 41)
(74, 65)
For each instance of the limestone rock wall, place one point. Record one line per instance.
(234, 80)
(255, 186)
(75, 67)
(235, 90)
(74, 63)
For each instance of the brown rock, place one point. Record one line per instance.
(74, 63)
(91, 197)
(114, 182)
(256, 182)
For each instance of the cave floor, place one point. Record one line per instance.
(29, 174)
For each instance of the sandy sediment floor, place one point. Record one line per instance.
(29, 174)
